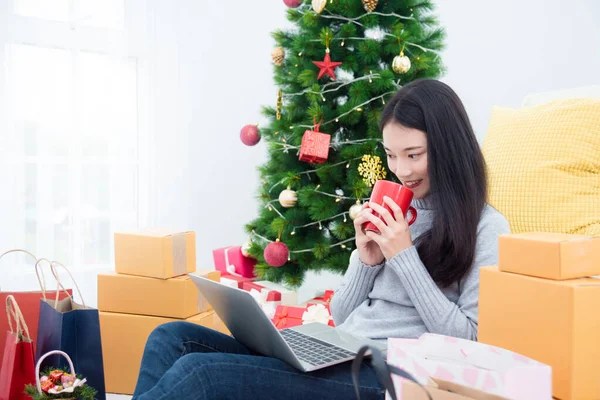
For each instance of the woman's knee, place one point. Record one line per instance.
(176, 330)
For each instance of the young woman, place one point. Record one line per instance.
(402, 282)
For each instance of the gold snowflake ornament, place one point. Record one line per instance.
(371, 169)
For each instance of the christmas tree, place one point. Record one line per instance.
(334, 71)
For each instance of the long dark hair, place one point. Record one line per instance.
(457, 175)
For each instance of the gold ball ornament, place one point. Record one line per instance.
(278, 54)
(319, 5)
(370, 5)
(401, 64)
(355, 210)
(288, 198)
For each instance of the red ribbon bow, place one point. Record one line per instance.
(316, 129)
(280, 318)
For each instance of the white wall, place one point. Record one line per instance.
(499, 51)
(496, 53)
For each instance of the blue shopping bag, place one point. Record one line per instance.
(74, 329)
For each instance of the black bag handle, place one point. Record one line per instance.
(383, 371)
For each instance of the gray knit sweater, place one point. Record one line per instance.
(399, 299)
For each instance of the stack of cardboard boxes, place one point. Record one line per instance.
(150, 287)
(540, 301)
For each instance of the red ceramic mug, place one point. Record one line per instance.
(401, 196)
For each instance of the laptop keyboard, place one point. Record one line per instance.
(314, 351)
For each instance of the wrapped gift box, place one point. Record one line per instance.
(325, 298)
(318, 313)
(555, 322)
(173, 298)
(288, 297)
(155, 253)
(271, 295)
(476, 365)
(230, 260)
(549, 255)
(267, 299)
(234, 281)
(124, 337)
(288, 317)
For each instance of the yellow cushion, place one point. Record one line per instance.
(544, 166)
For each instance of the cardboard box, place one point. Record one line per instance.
(549, 255)
(155, 253)
(438, 389)
(173, 298)
(554, 322)
(124, 337)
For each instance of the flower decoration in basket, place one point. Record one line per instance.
(56, 383)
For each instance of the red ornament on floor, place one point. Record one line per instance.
(276, 254)
(315, 146)
(327, 66)
(249, 135)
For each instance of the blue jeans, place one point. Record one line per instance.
(187, 361)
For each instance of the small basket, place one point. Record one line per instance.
(39, 363)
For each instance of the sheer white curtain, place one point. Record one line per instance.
(88, 93)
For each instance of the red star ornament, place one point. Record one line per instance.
(327, 66)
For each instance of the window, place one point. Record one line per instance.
(70, 134)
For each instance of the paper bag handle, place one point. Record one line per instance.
(383, 371)
(26, 252)
(13, 310)
(42, 281)
(53, 269)
(39, 363)
(17, 251)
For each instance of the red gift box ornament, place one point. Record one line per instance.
(315, 146)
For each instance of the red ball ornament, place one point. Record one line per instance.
(292, 3)
(276, 254)
(249, 135)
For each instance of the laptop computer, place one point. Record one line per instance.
(306, 347)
